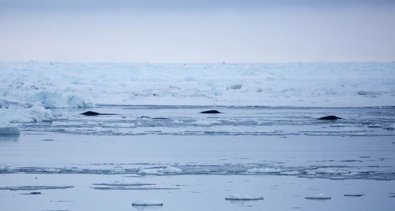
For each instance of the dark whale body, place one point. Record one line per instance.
(93, 113)
(331, 117)
(210, 112)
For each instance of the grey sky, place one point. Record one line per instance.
(197, 31)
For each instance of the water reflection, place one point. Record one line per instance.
(242, 203)
(147, 208)
(8, 139)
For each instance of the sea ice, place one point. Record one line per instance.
(293, 84)
(171, 170)
(264, 170)
(57, 100)
(168, 170)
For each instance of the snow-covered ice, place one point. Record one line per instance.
(289, 84)
(77, 85)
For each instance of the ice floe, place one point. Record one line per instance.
(264, 170)
(168, 170)
(329, 172)
(21, 113)
(57, 100)
(129, 186)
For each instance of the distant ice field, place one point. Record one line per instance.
(30, 90)
(284, 84)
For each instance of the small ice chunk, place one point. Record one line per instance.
(160, 171)
(171, 170)
(242, 197)
(9, 131)
(123, 184)
(148, 171)
(146, 203)
(263, 170)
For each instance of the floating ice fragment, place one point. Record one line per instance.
(123, 184)
(105, 188)
(20, 113)
(171, 170)
(243, 198)
(128, 186)
(160, 171)
(264, 170)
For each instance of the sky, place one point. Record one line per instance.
(172, 31)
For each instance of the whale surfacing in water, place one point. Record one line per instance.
(210, 112)
(331, 117)
(93, 113)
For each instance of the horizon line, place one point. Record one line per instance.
(216, 62)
